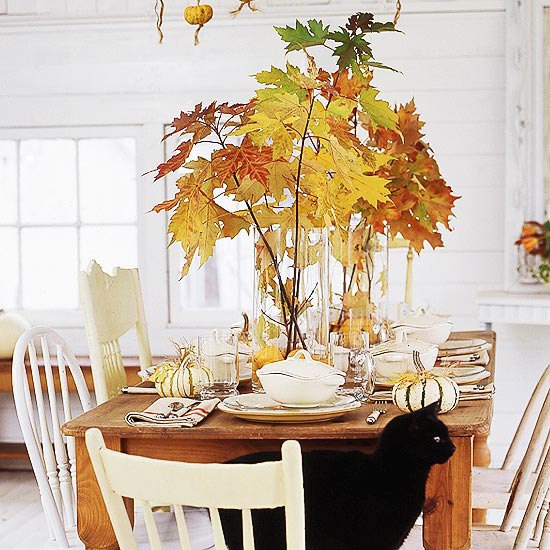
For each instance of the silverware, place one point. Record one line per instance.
(138, 390)
(173, 407)
(380, 407)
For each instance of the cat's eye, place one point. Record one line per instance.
(437, 439)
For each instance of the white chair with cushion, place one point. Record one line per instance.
(212, 486)
(44, 402)
(113, 306)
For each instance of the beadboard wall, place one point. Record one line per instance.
(67, 66)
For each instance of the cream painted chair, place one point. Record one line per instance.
(533, 531)
(493, 487)
(113, 305)
(211, 486)
(43, 404)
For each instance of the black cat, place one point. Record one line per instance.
(355, 501)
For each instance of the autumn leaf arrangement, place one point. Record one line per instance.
(314, 149)
(534, 242)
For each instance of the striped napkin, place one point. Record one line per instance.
(174, 412)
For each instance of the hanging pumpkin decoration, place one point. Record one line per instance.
(415, 390)
(242, 3)
(181, 376)
(198, 15)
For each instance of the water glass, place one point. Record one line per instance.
(219, 353)
(349, 353)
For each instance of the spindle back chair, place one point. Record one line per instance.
(44, 402)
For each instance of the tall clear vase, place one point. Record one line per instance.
(359, 282)
(291, 295)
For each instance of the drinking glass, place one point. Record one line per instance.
(349, 353)
(219, 353)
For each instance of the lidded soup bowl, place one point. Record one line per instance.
(300, 381)
(428, 327)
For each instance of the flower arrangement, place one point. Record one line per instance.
(535, 243)
(314, 148)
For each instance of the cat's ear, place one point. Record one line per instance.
(432, 409)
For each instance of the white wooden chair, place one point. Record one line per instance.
(533, 531)
(113, 305)
(493, 487)
(41, 412)
(212, 486)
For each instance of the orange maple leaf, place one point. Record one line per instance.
(244, 160)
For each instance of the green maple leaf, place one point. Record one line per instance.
(352, 47)
(302, 36)
(282, 80)
(378, 110)
(378, 26)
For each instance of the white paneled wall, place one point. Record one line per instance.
(64, 71)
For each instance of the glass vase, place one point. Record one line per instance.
(291, 295)
(358, 282)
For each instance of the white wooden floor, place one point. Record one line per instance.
(22, 522)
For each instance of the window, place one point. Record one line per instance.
(67, 196)
(215, 294)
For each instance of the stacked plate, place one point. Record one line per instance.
(472, 352)
(258, 407)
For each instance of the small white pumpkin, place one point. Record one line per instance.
(181, 378)
(417, 390)
(12, 326)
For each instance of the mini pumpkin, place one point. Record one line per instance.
(198, 15)
(181, 377)
(414, 391)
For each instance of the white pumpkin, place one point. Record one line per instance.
(415, 391)
(12, 326)
(185, 379)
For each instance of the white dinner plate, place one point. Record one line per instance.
(458, 344)
(258, 407)
(457, 372)
(464, 379)
(463, 347)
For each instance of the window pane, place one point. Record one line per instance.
(8, 182)
(107, 176)
(9, 270)
(49, 268)
(216, 284)
(111, 246)
(48, 181)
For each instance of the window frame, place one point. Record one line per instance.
(156, 277)
(68, 318)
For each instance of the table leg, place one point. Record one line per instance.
(482, 457)
(94, 526)
(448, 506)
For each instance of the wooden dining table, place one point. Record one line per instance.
(447, 518)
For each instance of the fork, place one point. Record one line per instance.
(380, 407)
(173, 407)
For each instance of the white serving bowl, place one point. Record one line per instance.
(428, 327)
(300, 381)
(394, 358)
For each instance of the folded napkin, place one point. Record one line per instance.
(174, 412)
(472, 359)
(467, 393)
